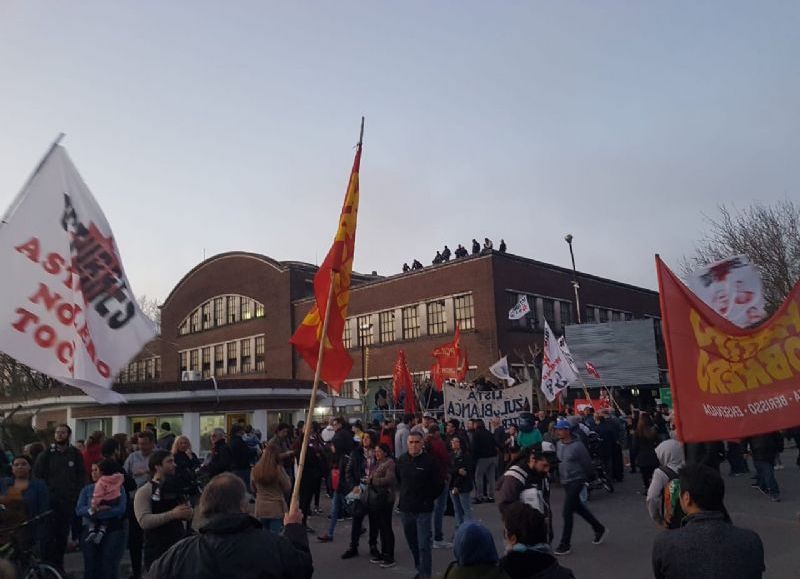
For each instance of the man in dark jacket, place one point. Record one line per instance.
(240, 455)
(764, 449)
(419, 480)
(707, 545)
(61, 469)
(233, 541)
(221, 459)
(484, 451)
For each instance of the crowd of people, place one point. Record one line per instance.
(178, 516)
(444, 255)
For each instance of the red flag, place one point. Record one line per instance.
(592, 370)
(336, 269)
(449, 365)
(402, 382)
(729, 382)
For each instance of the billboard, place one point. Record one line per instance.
(624, 353)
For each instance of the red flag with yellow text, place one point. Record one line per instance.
(337, 269)
(729, 382)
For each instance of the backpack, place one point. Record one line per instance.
(671, 511)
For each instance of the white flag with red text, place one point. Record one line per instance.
(66, 307)
(558, 368)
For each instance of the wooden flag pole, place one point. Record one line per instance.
(293, 505)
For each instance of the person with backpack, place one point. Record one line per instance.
(664, 493)
(527, 481)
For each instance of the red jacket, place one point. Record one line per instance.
(91, 455)
(438, 451)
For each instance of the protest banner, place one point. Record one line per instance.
(728, 382)
(68, 310)
(506, 404)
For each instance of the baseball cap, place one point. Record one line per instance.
(428, 415)
(563, 423)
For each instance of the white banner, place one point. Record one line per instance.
(558, 367)
(506, 404)
(68, 310)
(520, 309)
(500, 370)
(732, 288)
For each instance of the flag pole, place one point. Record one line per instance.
(295, 500)
(312, 402)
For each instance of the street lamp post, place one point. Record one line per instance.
(575, 285)
(364, 329)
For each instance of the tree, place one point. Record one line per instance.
(768, 234)
(151, 309)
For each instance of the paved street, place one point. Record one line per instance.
(625, 554)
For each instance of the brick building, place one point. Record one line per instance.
(223, 354)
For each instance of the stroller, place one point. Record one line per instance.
(601, 480)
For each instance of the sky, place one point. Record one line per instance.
(203, 127)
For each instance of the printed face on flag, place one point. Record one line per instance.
(520, 309)
(732, 288)
(68, 311)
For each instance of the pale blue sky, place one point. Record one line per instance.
(230, 125)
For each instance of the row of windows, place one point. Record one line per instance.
(593, 314)
(436, 322)
(244, 356)
(148, 370)
(532, 321)
(221, 311)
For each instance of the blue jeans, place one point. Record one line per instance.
(274, 525)
(337, 505)
(766, 477)
(102, 561)
(417, 529)
(462, 505)
(438, 514)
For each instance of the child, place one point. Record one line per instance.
(106, 493)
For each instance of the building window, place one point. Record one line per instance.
(233, 359)
(233, 309)
(386, 324)
(194, 360)
(195, 322)
(219, 360)
(549, 311)
(437, 318)
(183, 361)
(259, 310)
(122, 377)
(132, 372)
(465, 312)
(566, 313)
(615, 316)
(245, 353)
(247, 309)
(603, 315)
(347, 336)
(208, 320)
(628, 316)
(206, 362)
(183, 329)
(260, 365)
(364, 331)
(158, 368)
(588, 315)
(410, 323)
(150, 369)
(219, 312)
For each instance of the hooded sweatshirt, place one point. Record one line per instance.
(670, 455)
(476, 555)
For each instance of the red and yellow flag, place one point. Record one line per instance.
(337, 268)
